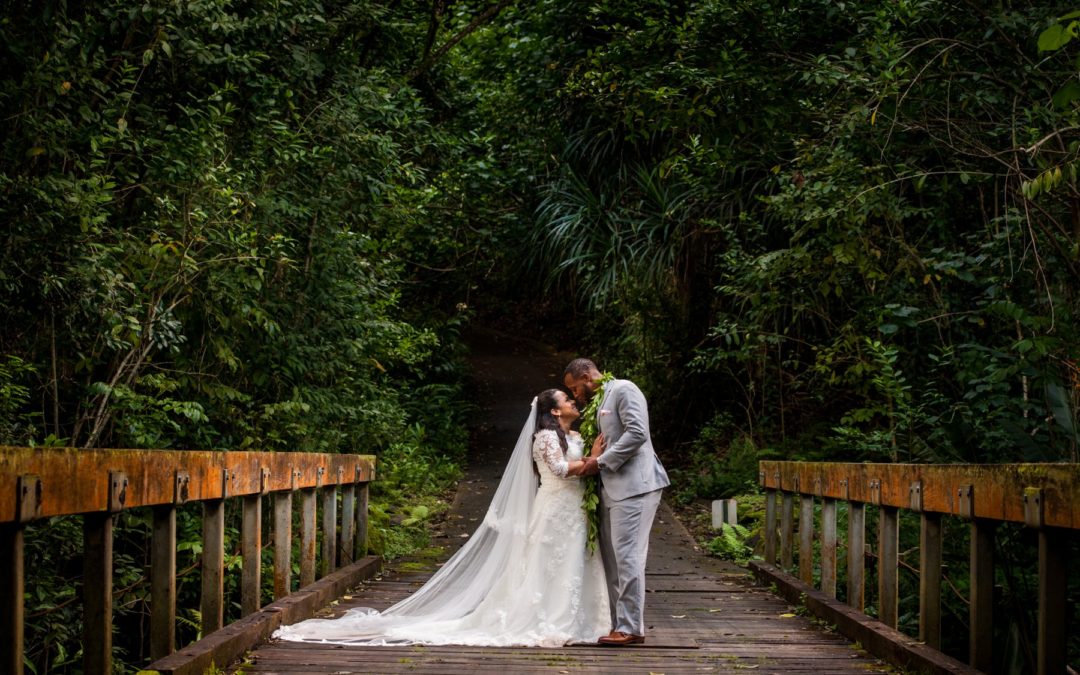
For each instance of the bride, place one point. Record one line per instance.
(523, 579)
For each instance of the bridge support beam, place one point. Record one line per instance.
(163, 583)
(888, 549)
(982, 594)
(12, 585)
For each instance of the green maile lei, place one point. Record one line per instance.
(590, 501)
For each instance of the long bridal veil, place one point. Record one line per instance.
(462, 583)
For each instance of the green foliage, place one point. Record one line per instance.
(731, 544)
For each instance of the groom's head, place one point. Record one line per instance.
(580, 377)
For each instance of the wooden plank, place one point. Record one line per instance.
(282, 544)
(770, 526)
(251, 552)
(828, 547)
(75, 480)
(887, 571)
(329, 531)
(347, 546)
(97, 593)
(787, 531)
(163, 582)
(212, 601)
(981, 610)
(806, 539)
(856, 573)
(307, 537)
(12, 606)
(1053, 613)
(361, 520)
(930, 579)
(1000, 487)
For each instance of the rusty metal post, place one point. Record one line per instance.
(770, 526)
(163, 583)
(828, 547)
(856, 572)
(806, 540)
(888, 550)
(348, 523)
(981, 644)
(930, 580)
(282, 544)
(787, 531)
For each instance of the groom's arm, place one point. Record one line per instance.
(633, 412)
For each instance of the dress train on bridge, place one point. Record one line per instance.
(524, 578)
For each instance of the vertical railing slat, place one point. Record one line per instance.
(329, 527)
(888, 545)
(1053, 615)
(806, 540)
(12, 607)
(251, 551)
(787, 543)
(163, 582)
(770, 526)
(856, 574)
(307, 537)
(213, 566)
(930, 580)
(361, 520)
(282, 544)
(348, 523)
(981, 615)
(828, 547)
(97, 593)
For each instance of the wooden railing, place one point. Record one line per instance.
(96, 484)
(1045, 497)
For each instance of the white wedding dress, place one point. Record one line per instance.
(524, 578)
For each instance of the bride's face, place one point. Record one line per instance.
(565, 410)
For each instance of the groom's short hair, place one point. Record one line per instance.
(578, 367)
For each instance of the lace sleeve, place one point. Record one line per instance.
(546, 447)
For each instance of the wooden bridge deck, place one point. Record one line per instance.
(704, 616)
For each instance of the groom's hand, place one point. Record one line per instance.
(591, 468)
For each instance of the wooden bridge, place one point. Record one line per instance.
(703, 615)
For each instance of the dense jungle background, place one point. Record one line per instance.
(818, 230)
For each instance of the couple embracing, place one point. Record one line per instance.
(529, 576)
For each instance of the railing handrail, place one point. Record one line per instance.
(1045, 497)
(38, 483)
(71, 481)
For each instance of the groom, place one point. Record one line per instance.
(632, 480)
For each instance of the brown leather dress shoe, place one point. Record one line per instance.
(619, 639)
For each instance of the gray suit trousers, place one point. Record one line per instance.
(624, 545)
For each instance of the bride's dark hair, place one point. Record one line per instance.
(545, 403)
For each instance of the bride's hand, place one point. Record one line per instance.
(598, 446)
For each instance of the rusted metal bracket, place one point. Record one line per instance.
(118, 484)
(28, 506)
(875, 491)
(264, 480)
(965, 501)
(294, 478)
(844, 492)
(817, 486)
(915, 493)
(320, 473)
(183, 488)
(1033, 507)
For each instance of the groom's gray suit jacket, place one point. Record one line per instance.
(629, 466)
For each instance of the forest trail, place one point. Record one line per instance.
(702, 614)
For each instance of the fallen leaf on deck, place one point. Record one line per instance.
(678, 616)
(789, 615)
